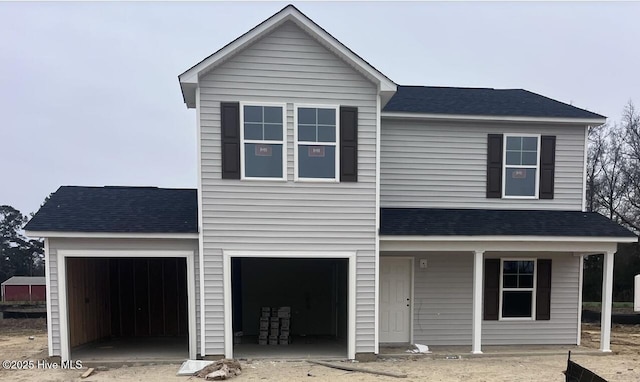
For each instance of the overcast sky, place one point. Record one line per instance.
(89, 92)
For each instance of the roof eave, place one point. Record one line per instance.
(492, 118)
(113, 235)
(510, 238)
(189, 79)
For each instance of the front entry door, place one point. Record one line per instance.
(395, 303)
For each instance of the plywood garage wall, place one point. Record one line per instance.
(148, 297)
(88, 299)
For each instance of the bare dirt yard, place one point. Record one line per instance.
(624, 365)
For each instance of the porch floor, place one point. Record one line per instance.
(464, 351)
(299, 348)
(133, 349)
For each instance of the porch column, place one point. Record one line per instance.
(476, 328)
(607, 298)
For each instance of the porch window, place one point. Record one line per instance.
(317, 132)
(517, 288)
(262, 135)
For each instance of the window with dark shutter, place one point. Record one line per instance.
(348, 144)
(230, 136)
(494, 166)
(543, 290)
(547, 166)
(491, 288)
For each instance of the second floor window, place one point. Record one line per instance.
(263, 137)
(521, 166)
(317, 132)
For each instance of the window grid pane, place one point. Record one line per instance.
(263, 123)
(322, 121)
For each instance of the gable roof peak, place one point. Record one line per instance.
(189, 79)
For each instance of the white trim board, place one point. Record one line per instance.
(351, 305)
(112, 235)
(505, 238)
(498, 246)
(65, 350)
(200, 226)
(47, 274)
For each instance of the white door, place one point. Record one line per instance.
(395, 303)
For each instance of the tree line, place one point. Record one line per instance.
(19, 255)
(613, 189)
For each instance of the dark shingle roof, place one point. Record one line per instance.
(118, 209)
(477, 222)
(481, 101)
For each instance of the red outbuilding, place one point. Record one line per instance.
(24, 288)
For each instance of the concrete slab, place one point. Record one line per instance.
(132, 351)
(299, 348)
(459, 352)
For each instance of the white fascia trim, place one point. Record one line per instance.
(458, 117)
(112, 235)
(190, 77)
(47, 274)
(376, 318)
(584, 168)
(455, 238)
(200, 228)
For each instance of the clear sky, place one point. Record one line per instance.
(89, 92)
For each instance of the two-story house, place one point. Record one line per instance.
(335, 212)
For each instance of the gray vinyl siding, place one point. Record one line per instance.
(443, 302)
(426, 164)
(287, 66)
(56, 244)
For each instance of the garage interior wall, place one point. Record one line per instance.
(126, 297)
(315, 289)
(88, 299)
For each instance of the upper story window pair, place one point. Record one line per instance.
(520, 166)
(254, 142)
(264, 143)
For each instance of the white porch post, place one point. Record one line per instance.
(607, 299)
(476, 328)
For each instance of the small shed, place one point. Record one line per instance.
(24, 288)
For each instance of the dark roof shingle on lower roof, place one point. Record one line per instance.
(118, 209)
(479, 222)
(482, 102)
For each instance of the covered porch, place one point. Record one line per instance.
(478, 290)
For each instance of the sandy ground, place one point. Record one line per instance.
(623, 366)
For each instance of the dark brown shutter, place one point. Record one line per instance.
(491, 288)
(348, 144)
(230, 134)
(543, 290)
(494, 166)
(547, 166)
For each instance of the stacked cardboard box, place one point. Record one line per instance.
(274, 325)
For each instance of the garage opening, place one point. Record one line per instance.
(289, 308)
(127, 308)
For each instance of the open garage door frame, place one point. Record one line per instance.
(351, 295)
(123, 253)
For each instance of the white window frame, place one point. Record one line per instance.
(532, 290)
(283, 142)
(504, 167)
(297, 178)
